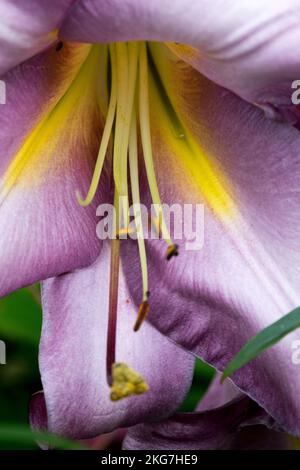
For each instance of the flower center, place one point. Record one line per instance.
(128, 108)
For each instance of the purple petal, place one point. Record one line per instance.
(28, 27)
(73, 357)
(246, 276)
(232, 424)
(44, 230)
(38, 415)
(240, 45)
(219, 394)
(38, 412)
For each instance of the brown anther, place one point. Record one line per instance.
(156, 224)
(125, 232)
(142, 314)
(172, 251)
(59, 46)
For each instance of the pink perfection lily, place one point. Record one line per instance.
(88, 91)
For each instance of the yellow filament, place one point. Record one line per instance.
(106, 135)
(104, 86)
(120, 152)
(146, 140)
(132, 76)
(135, 190)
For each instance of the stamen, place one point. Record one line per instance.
(59, 46)
(125, 231)
(106, 134)
(156, 224)
(135, 190)
(142, 314)
(172, 250)
(122, 109)
(127, 59)
(146, 140)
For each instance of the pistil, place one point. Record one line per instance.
(129, 94)
(122, 380)
(112, 308)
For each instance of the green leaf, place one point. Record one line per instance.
(203, 375)
(22, 434)
(263, 340)
(20, 317)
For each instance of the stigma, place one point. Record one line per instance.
(128, 117)
(126, 382)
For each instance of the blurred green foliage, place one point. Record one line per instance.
(20, 327)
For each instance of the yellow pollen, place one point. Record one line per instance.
(126, 382)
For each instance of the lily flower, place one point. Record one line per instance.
(158, 103)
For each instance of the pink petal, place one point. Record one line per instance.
(44, 231)
(28, 27)
(73, 357)
(250, 49)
